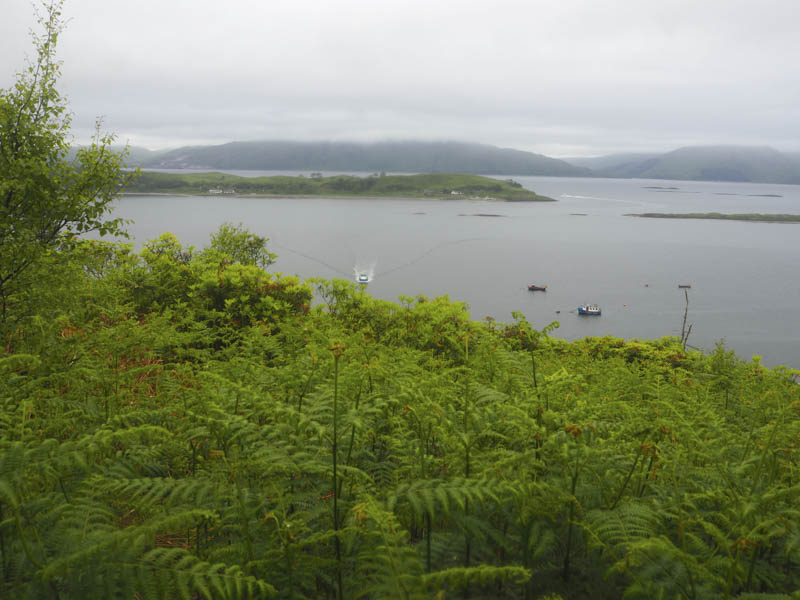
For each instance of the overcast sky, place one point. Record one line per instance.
(558, 77)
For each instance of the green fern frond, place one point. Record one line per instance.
(628, 523)
(387, 565)
(149, 491)
(176, 571)
(437, 496)
(462, 577)
(130, 541)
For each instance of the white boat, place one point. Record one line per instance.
(362, 278)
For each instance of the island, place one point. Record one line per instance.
(756, 217)
(436, 185)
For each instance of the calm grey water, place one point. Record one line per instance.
(744, 276)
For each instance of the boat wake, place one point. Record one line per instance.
(427, 252)
(313, 258)
(364, 273)
(585, 197)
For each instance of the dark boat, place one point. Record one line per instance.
(684, 286)
(589, 309)
(537, 288)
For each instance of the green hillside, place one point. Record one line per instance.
(432, 185)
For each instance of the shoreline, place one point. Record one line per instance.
(744, 217)
(337, 197)
(441, 186)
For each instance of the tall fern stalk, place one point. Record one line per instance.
(337, 352)
(573, 500)
(467, 444)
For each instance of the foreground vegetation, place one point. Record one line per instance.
(430, 185)
(759, 217)
(181, 423)
(178, 423)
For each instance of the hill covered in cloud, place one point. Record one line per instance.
(701, 163)
(409, 157)
(694, 163)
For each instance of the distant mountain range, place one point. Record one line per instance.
(408, 157)
(700, 163)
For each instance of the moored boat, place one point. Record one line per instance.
(589, 309)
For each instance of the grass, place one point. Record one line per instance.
(757, 217)
(439, 185)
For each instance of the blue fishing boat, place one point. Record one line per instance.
(589, 309)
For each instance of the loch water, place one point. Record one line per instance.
(744, 276)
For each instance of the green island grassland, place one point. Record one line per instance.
(438, 185)
(755, 217)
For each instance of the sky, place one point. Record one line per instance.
(556, 77)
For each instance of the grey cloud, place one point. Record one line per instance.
(577, 76)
